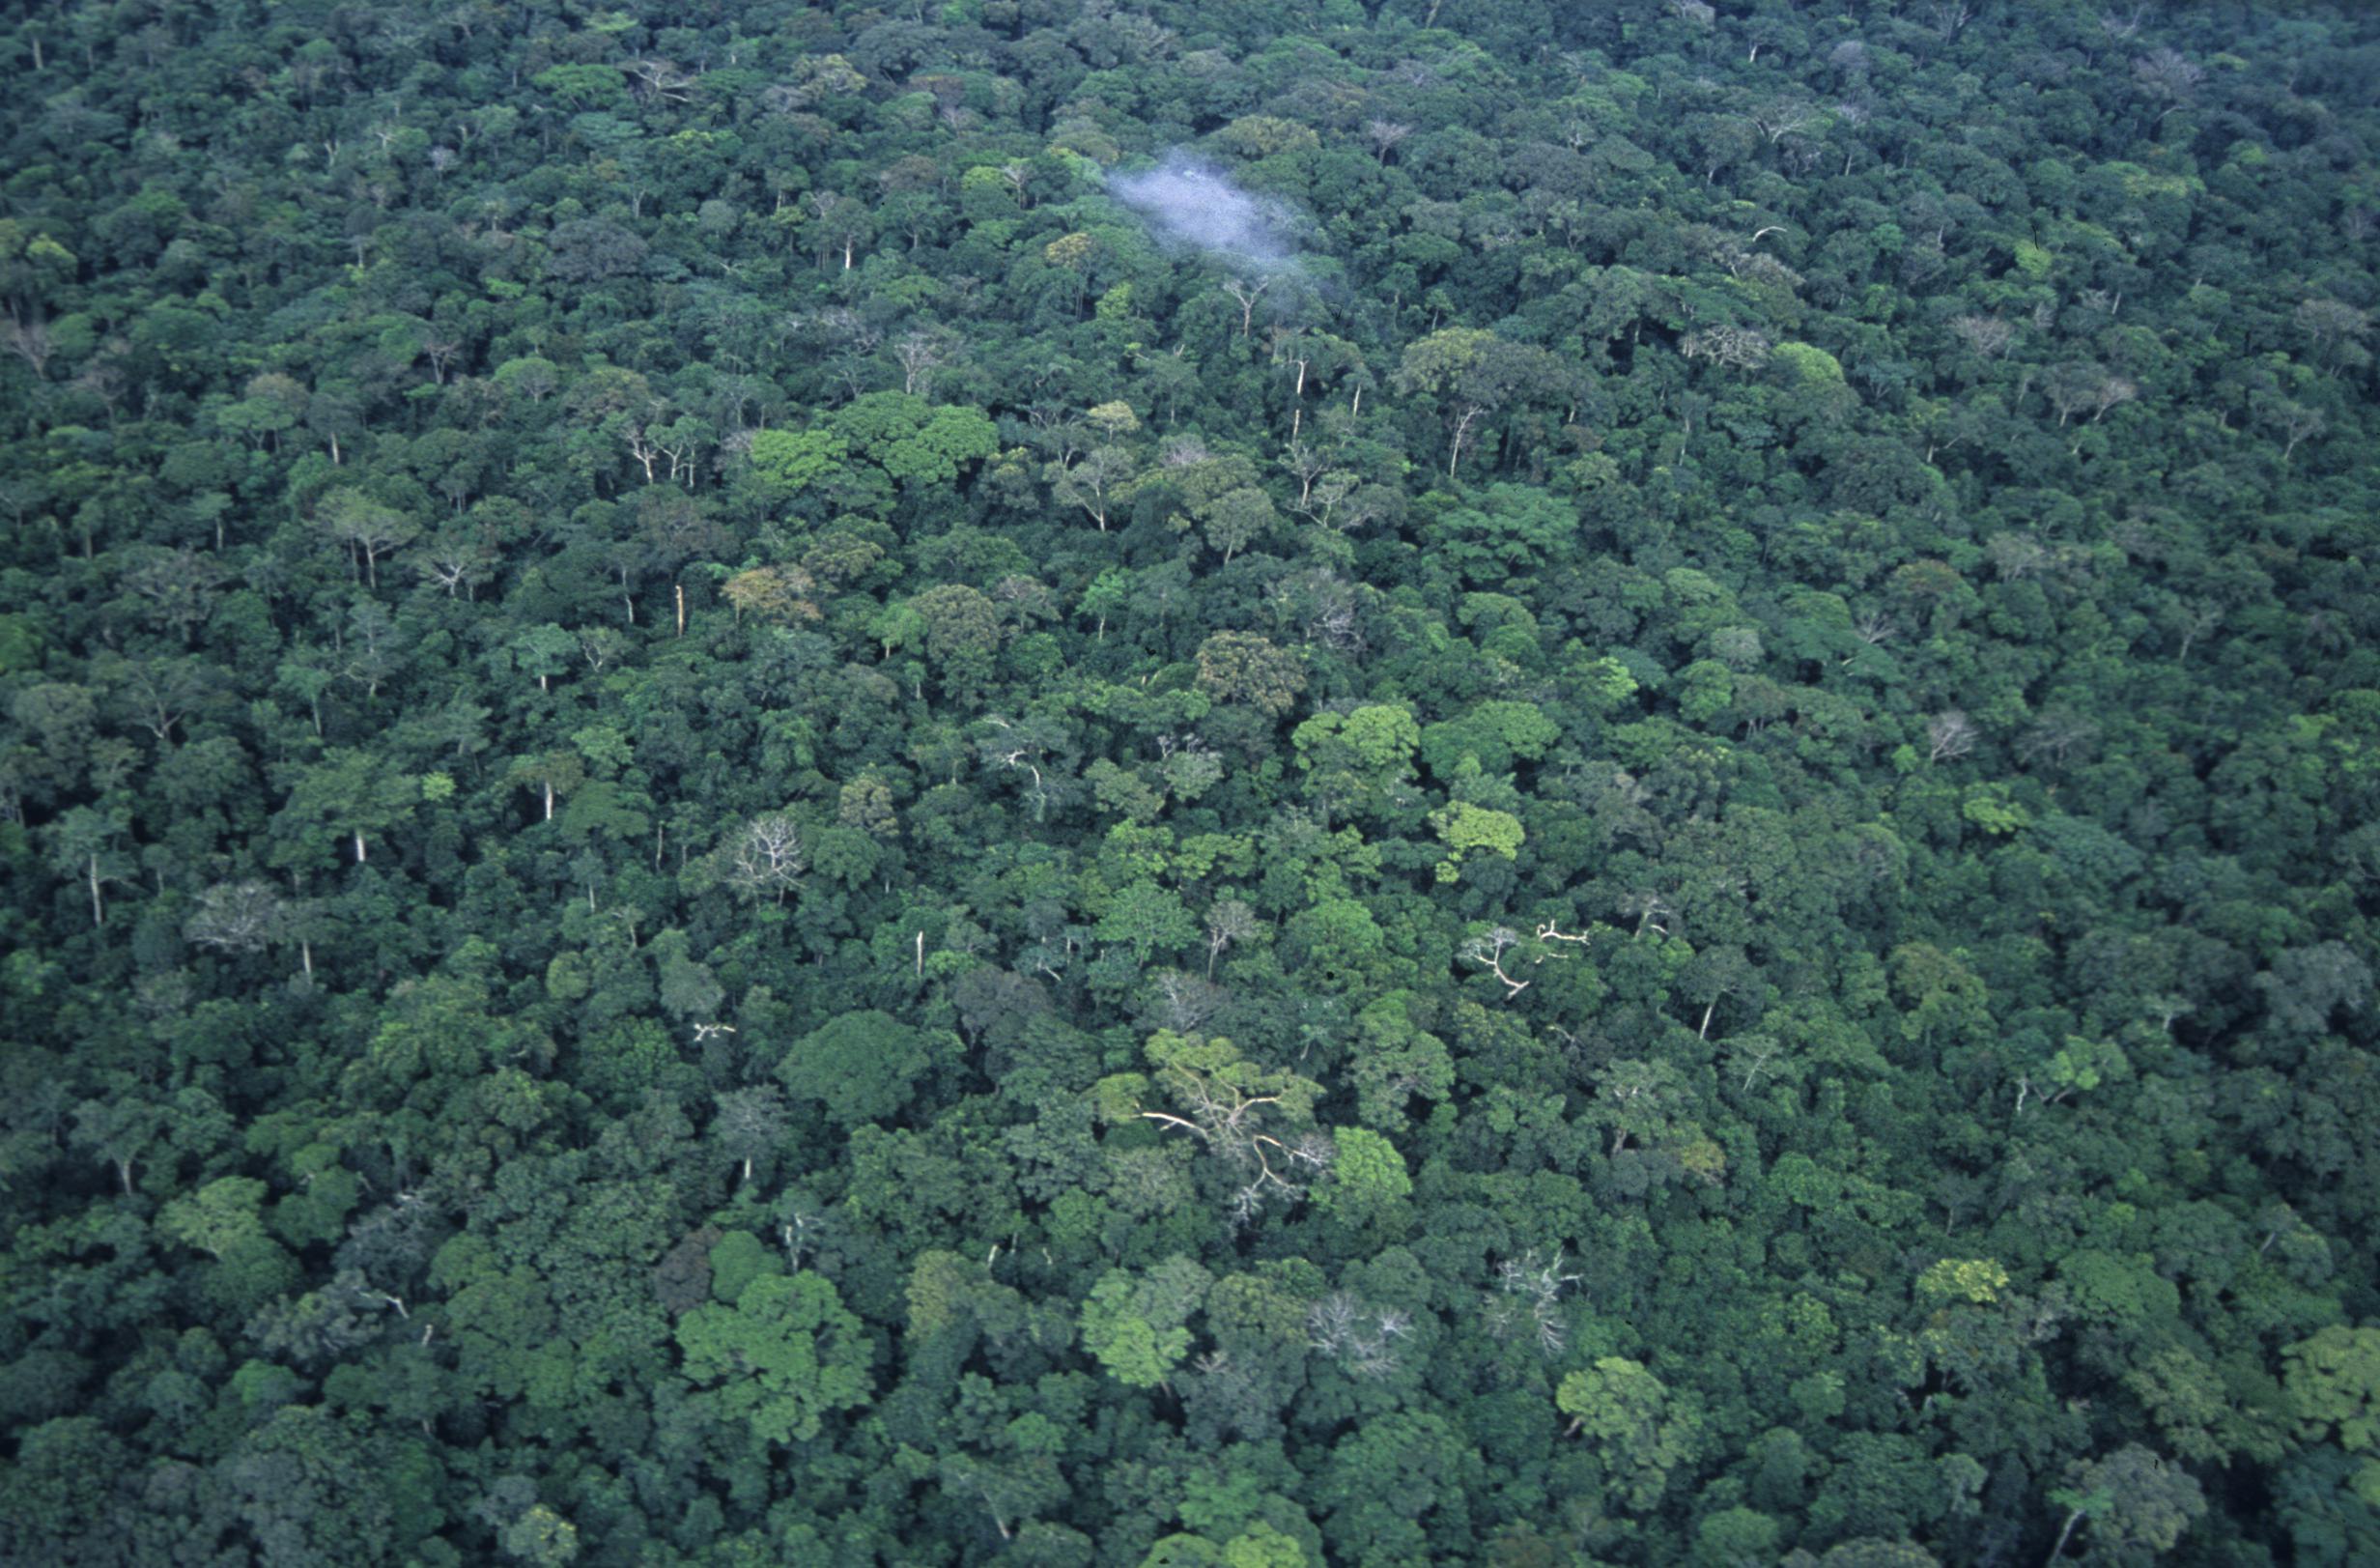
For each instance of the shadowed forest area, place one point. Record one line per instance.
(1224, 785)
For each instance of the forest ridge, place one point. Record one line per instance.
(1204, 785)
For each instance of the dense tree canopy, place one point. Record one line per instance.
(1345, 781)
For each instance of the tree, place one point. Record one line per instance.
(2334, 329)
(789, 462)
(456, 558)
(1230, 921)
(1245, 294)
(540, 1536)
(238, 917)
(1949, 736)
(1259, 1122)
(1516, 529)
(915, 444)
(551, 774)
(781, 1357)
(778, 593)
(1625, 1412)
(688, 991)
(1097, 481)
(367, 528)
(1136, 1326)
(1389, 1474)
(1465, 827)
(951, 437)
(119, 1129)
(962, 633)
(306, 1484)
(1473, 375)
(1147, 918)
(218, 1216)
(353, 792)
(1367, 1185)
(85, 844)
(1725, 343)
(2332, 1381)
(1361, 761)
(2306, 987)
(861, 1067)
(175, 590)
(766, 857)
(2167, 76)
(2294, 422)
(749, 1124)
(2134, 1499)
(1237, 518)
(1239, 666)
(1735, 1536)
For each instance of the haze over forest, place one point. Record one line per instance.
(1201, 786)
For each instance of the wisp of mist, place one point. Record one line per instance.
(1192, 204)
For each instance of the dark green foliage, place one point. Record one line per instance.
(735, 831)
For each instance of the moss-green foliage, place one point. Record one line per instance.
(1637, 824)
(780, 1359)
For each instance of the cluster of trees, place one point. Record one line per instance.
(733, 832)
